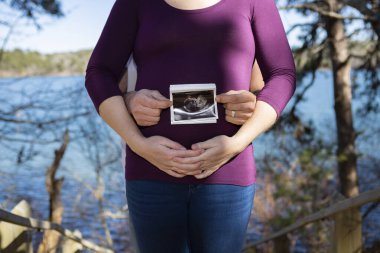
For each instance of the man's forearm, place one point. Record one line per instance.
(123, 82)
(257, 80)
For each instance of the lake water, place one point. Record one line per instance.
(26, 181)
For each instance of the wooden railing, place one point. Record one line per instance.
(31, 223)
(344, 240)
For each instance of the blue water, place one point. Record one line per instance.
(26, 180)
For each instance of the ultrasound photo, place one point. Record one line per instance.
(193, 104)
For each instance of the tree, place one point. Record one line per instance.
(50, 241)
(328, 34)
(33, 9)
(12, 11)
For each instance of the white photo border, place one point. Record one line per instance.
(179, 88)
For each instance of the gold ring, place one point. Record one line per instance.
(233, 114)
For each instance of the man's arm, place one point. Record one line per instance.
(144, 105)
(257, 80)
(123, 82)
(239, 105)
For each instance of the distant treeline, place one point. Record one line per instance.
(24, 63)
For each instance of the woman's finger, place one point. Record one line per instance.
(187, 160)
(186, 167)
(210, 144)
(172, 145)
(209, 168)
(201, 157)
(188, 173)
(185, 153)
(205, 173)
(174, 174)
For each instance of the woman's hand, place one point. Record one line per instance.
(239, 105)
(146, 106)
(162, 153)
(215, 152)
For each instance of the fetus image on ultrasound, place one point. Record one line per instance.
(194, 105)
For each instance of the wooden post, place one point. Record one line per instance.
(45, 225)
(51, 238)
(282, 244)
(347, 232)
(15, 238)
(70, 246)
(249, 250)
(347, 223)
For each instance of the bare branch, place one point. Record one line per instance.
(362, 8)
(31, 140)
(40, 123)
(7, 36)
(295, 26)
(326, 13)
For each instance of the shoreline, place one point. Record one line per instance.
(52, 74)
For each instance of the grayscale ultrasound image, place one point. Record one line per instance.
(194, 105)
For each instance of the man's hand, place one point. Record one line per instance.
(239, 105)
(146, 106)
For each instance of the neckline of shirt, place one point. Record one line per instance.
(205, 9)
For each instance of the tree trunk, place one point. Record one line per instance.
(100, 197)
(346, 152)
(51, 238)
(342, 104)
(282, 244)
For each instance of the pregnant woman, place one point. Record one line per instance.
(190, 188)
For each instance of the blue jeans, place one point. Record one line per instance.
(182, 218)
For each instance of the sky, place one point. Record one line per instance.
(80, 28)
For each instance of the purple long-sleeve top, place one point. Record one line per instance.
(216, 44)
